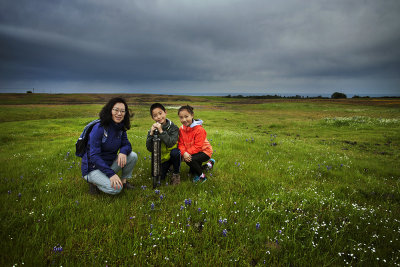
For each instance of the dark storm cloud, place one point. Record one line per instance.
(224, 44)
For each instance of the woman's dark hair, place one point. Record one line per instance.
(188, 108)
(106, 116)
(156, 105)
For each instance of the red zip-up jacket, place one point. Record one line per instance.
(193, 139)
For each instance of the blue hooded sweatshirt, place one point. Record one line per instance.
(103, 150)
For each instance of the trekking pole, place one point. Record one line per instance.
(156, 160)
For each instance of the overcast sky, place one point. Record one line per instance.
(201, 46)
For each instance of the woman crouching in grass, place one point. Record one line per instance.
(102, 162)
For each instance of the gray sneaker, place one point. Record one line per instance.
(93, 189)
(176, 179)
(128, 186)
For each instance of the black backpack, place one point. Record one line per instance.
(81, 144)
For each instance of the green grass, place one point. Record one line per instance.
(322, 179)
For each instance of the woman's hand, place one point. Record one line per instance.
(121, 160)
(187, 157)
(116, 182)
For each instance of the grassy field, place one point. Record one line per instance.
(296, 182)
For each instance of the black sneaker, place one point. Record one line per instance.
(203, 179)
(212, 161)
(93, 189)
(206, 166)
(128, 186)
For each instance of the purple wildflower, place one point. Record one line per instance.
(157, 191)
(199, 209)
(224, 232)
(143, 187)
(258, 225)
(152, 206)
(19, 195)
(58, 248)
(161, 197)
(9, 191)
(182, 207)
(188, 202)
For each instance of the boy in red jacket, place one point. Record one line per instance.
(193, 144)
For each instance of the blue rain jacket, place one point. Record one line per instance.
(103, 147)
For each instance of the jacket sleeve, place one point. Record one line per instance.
(126, 147)
(181, 143)
(170, 138)
(149, 142)
(199, 138)
(96, 136)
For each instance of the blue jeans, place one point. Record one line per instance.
(102, 181)
(175, 161)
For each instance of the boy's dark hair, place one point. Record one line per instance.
(154, 106)
(188, 108)
(106, 116)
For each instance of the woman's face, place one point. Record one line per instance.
(118, 112)
(185, 117)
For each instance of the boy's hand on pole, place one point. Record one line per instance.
(152, 129)
(157, 126)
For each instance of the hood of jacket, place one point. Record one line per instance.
(196, 123)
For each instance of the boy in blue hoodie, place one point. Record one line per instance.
(168, 133)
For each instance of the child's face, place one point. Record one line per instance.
(185, 117)
(159, 115)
